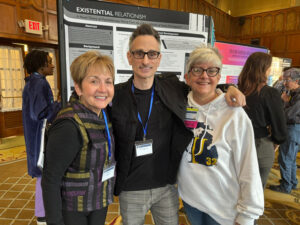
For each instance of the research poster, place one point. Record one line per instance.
(234, 58)
(96, 25)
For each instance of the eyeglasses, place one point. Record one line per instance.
(141, 54)
(211, 72)
(288, 80)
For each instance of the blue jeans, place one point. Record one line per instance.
(196, 217)
(287, 158)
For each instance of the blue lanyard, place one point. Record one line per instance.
(150, 109)
(108, 134)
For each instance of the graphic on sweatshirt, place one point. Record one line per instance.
(200, 148)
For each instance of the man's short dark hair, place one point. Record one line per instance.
(35, 60)
(144, 29)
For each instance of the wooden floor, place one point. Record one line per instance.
(17, 200)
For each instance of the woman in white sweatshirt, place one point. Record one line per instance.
(218, 179)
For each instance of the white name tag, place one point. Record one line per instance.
(143, 148)
(108, 173)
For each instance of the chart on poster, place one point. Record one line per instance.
(106, 27)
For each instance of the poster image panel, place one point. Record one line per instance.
(234, 58)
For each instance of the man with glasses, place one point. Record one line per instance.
(147, 115)
(289, 149)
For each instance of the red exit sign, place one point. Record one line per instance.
(33, 27)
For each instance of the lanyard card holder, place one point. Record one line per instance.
(108, 172)
(144, 147)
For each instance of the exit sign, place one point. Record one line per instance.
(33, 27)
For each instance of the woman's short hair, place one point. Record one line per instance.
(34, 60)
(82, 63)
(204, 54)
(254, 72)
(293, 73)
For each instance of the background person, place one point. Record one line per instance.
(78, 176)
(264, 108)
(147, 115)
(218, 178)
(37, 105)
(289, 149)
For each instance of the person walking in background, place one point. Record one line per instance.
(147, 114)
(218, 178)
(79, 171)
(289, 149)
(264, 108)
(37, 105)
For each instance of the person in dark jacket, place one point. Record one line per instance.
(148, 119)
(79, 171)
(289, 149)
(37, 105)
(264, 108)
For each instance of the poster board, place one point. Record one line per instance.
(278, 64)
(104, 26)
(234, 58)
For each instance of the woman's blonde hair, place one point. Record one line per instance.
(82, 63)
(204, 54)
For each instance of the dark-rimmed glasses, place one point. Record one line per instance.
(211, 72)
(141, 54)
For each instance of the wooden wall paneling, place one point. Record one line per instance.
(144, 2)
(207, 10)
(196, 6)
(189, 6)
(181, 5)
(154, 3)
(51, 5)
(201, 8)
(295, 58)
(266, 41)
(257, 24)
(52, 26)
(291, 21)
(279, 22)
(37, 4)
(246, 28)
(173, 4)
(267, 24)
(217, 19)
(228, 26)
(278, 43)
(11, 124)
(298, 20)
(293, 43)
(164, 4)
(8, 18)
(221, 24)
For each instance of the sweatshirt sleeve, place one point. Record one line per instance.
(250, 204)
(63, 143)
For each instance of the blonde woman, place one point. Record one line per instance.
(218, 178)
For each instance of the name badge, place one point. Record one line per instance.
(108, 173)
(143, 148)
(191, 117)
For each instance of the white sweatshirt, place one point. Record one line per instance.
(224, 180)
